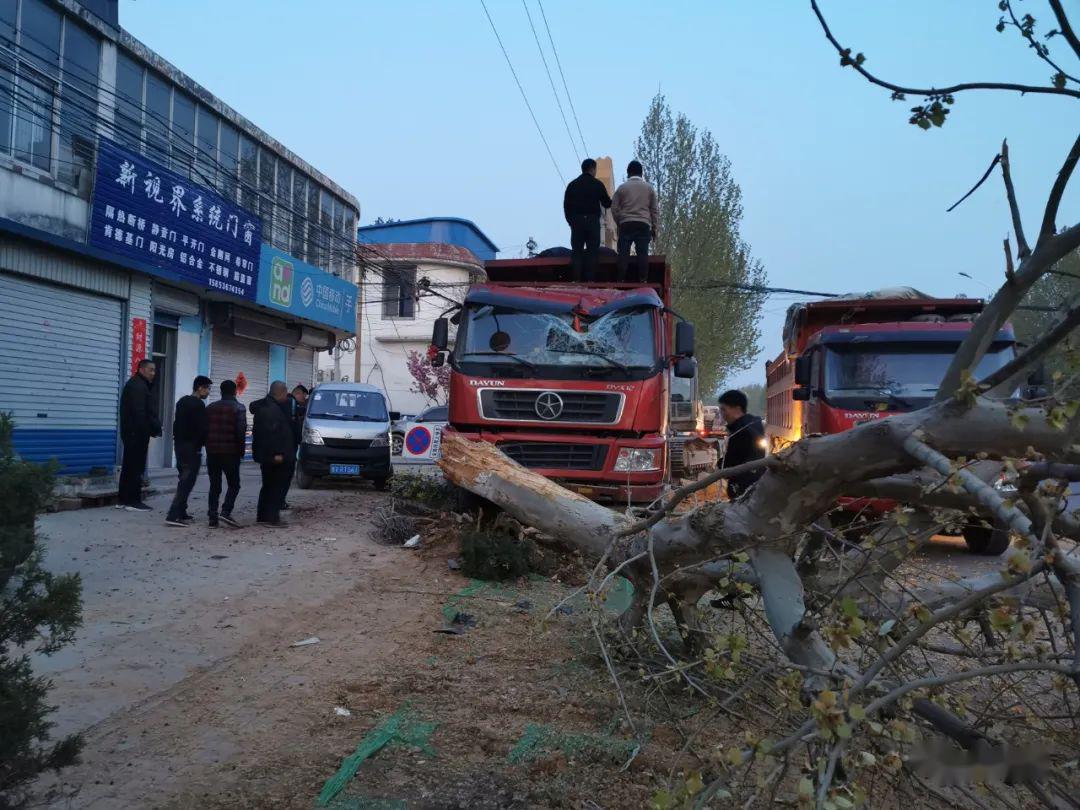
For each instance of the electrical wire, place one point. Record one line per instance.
(562, 75)
(521, 89)
(551, 81)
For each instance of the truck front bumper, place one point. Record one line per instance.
(558, 456)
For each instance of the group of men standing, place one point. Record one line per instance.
(221, 430)
(634, 207)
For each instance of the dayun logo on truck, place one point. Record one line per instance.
(487, 383)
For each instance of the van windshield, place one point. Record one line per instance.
(351, 406)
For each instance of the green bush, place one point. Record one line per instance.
(429, 490)
(34, 605)
(494, 555)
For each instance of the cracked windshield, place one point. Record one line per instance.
(622, 339)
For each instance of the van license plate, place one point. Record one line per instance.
(344, 469)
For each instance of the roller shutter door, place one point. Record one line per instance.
(60, 353)
(300, 368)
(230, 356)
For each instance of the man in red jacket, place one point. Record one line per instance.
(225, 436)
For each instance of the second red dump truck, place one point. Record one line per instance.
(570, 379)
(854, 359)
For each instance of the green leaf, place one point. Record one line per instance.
(922, 123)
(806, 787)
(849, 607)
(842, 802)
(856, 712)
(1059, 80)
(1019, 420)
(843, 731)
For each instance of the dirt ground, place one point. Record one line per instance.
(190, 694)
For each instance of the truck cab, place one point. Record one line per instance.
(570, 379)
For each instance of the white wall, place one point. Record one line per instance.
(384, 343)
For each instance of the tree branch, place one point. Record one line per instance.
(1053, 202)
(934, 91)
(1034, 353)
(1022, 249)
(1040, 49)
(1065, 26)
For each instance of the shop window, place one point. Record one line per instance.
(206, 148)
(229, 159)
(327, 248)
(182, 147)
(299, 207)
(39, 40)
(78, 107)
(249, 178)
(399, 292)
(129, 100)
(314, 246)
(283, 223)
(7, 75)
(267, 172)
(158, 102)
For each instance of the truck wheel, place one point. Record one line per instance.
(987, 540)
(304, 480)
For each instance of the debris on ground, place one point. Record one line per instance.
(453, 564)
(402, 728)
(341, 711)
(539, 740)
(412, 542)
(307, 642)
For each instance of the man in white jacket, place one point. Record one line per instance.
(637, 216)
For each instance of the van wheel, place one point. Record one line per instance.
(986, 540)
(380, 484)
(304, 480)
(397, 443)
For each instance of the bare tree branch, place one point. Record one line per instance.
(1022, 249)
(974, 188)
(1038, 47)
(934, 91)
(1010, 272)
(1065, 26)
(1053, 202)
(1034, 353)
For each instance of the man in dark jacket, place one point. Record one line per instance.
(273, 446)
(138, 423)
(746, 441)
(189, 436)
(226, 434)
(583, 205)
(297, 412)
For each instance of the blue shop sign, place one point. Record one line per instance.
(304, 291)
(185, 232)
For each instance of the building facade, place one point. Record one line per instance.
(142, 217)
(413, 271)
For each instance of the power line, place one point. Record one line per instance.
(551, 81)
(562, 75)
(513, 72)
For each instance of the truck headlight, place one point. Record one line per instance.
(311, 436)
(634, 459)
(381, 441)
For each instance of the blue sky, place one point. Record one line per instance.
(410, 106)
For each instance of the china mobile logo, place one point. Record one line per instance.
(307, 292)
(281, 282)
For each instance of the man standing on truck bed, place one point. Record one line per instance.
(746, 441)
(583, 202)
(637, 214)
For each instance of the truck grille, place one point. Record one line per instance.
(348, 444)
(556, 456)
(577, 406)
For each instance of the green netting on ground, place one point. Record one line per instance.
(360, 803)
(478, 589)
(541, 739)
(617, 597)
(402, 728)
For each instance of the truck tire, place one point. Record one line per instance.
(304, 480)
(986, 540)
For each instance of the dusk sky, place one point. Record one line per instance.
(411, 107)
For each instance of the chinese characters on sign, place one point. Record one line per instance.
(293, 286)
(138, 343)
(188, 233)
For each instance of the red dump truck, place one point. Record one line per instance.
(854, 359)
(570, 379)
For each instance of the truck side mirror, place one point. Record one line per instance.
(438, 360)
(802, 370)
(684, 339)
(685, 368)
(800, 394)
(440, 334)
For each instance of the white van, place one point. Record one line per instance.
(346, 435)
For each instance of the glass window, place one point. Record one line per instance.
(299, 205)
(206, 152)
(283, 224)
(349, 242)
(129, 98)
(78, 106)
(40, 41)
(399, 292)
(183, 134)
(230, 159)
(158, 97)
(7, 76)
(326, 225)
(313, 243)
(349, 406)
(336, 240)
(249, 175)
(267, 171)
